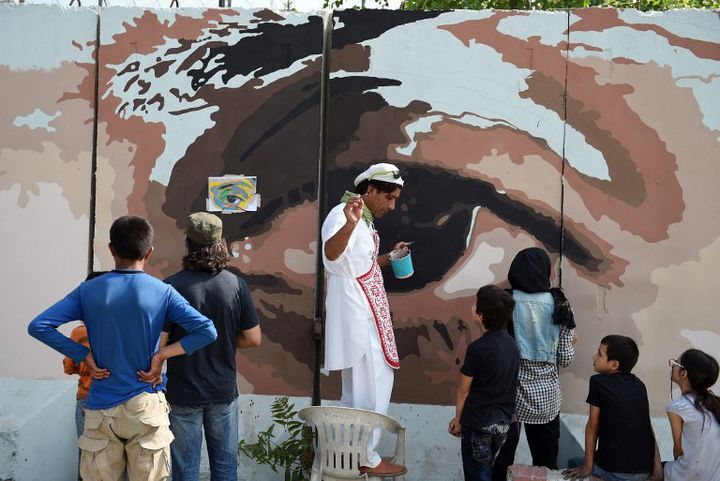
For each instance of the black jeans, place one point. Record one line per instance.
(506, 456)
(544, 442)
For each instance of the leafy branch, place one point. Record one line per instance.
(294, 453)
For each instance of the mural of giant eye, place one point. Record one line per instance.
(511, 130)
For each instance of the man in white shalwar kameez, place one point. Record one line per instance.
(359, 337)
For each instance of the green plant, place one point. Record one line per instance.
(294, 452)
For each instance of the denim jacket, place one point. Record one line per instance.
(536, 335)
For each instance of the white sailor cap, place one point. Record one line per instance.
(382, 172)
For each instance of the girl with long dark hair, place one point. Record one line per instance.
(694, 419)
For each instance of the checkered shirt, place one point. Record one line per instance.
(538, 392)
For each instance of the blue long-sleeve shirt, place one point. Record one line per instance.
(124, 312)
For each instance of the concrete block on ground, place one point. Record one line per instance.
(521, 472)
(37, 430)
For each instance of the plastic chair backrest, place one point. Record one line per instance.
(342, 436)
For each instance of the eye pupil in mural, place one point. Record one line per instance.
(227, 197)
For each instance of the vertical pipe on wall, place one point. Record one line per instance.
(564, 160)
(318, 317)
(93, 168)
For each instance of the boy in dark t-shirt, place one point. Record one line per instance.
(619, 420)
(488, 383)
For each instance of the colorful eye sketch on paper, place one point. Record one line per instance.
(232, 193)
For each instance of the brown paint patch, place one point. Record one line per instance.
(643, 183)
(624, 149)
(169, 240)
(600, 19)
(267, 15)
(372, 140)
(528, 53)
(576, 45)
(294, 228)
(452, 144)
(351, 58)
(268, 370)
(148, 33)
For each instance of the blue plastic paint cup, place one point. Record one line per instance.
(401, 262)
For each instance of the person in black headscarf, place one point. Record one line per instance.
(543, 327)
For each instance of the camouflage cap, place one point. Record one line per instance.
(204, 228)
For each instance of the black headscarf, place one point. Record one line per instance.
(530, 272)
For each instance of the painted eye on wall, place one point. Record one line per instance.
(235, 195)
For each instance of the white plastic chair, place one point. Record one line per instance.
(342, 437)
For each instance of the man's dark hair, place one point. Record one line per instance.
(384, 187)
(496, 307)
(131, 237)
(621, 349)
(205, 257)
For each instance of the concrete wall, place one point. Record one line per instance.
(508, 125)
(513, 125)
(590, 133)
(38, 440)
(46, 143)
(37, 430)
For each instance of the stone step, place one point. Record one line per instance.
(521, 472)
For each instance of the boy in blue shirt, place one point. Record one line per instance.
(488, 385)
(126, 422)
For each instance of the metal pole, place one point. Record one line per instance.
(318, 316)
(92, 224)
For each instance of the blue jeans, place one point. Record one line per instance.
(607, 475)
(80, 407)
(220, 422)
(479, 449)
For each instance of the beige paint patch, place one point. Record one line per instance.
(474, 273)
(293, 230)
(708, 341)
(46, 258)
(574, 391)
(685, 303)
(536, 178)
(31, 168)
(301, 261)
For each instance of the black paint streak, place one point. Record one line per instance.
(369, 24)
(444, 334)
(407, 338)
(269, 47)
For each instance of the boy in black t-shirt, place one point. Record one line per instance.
(488, 384)
(619, 420)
